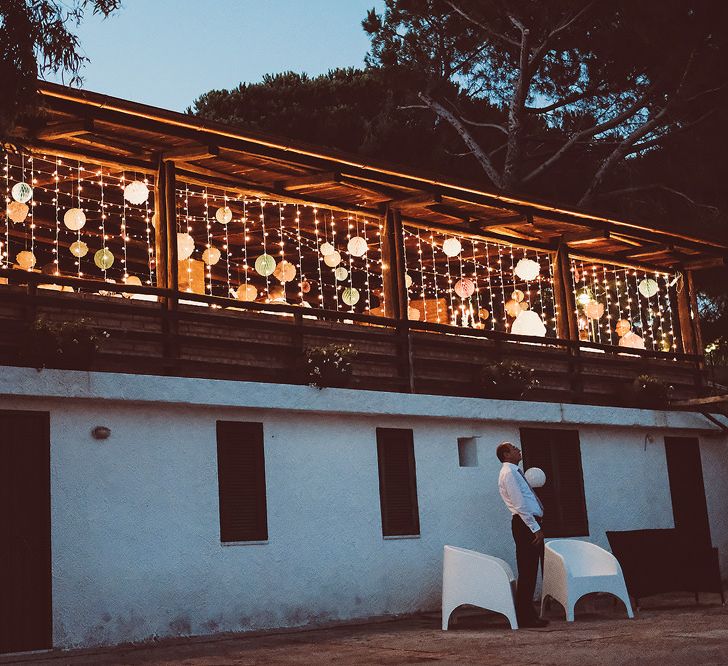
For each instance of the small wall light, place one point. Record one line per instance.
(101, 432)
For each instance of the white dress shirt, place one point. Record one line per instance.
(519, 496)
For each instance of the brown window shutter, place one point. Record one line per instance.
(241, 481)
(397, 482)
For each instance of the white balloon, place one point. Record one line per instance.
(357, 246)
(527, 269)
(136, 192)
(452, 247)
(536, 477)
(74, 219)
(185, 246)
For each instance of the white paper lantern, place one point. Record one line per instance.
(17, 211)
(536, 477)
(326, 249)
(413, 314)
(464, 288)
(22, 192)
(211, 255)
(74, 219)
(104, 258)
(529, 322)
(350, 296)
(648, 287)
(185, 246)
(527, 269)
(265, 265)
(452, 247)
(357, 246)
(631, 340)
(136, 192)
(332, 260)
(341, 274)
(78, 249)
(407, 280)
(25, 259)
(246, 292)
(223, 215)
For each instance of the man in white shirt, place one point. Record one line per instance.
(527, 512)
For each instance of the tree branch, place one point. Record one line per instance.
(658, 186)
(465, 135)
(569, 99)
(474, 123)
(545, 45)
(482, 26)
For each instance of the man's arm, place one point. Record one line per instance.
(515, 494)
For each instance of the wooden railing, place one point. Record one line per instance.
(228, 339)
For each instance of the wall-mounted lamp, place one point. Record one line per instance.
(101, 432)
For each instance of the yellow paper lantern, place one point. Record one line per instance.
(513, 308)
(407, 280)
(350, 296)
(223, 215)
(246, 292)
(265, 265)
(17, 211)
(211, 256)
(104, 258)
(25, 259)
(285, 271)
(518, 295)
(341, 274)
(78, 249)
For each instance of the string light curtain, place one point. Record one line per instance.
(629, 307)
(474, 283)
(79, 219)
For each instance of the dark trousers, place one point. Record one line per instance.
(527, 559)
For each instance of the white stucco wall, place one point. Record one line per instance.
(135, 530)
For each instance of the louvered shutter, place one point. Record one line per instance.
(241, 481)
(397, 482)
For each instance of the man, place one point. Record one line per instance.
(527, 512)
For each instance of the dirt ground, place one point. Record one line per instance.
(667, 630)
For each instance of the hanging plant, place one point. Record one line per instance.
(506, 379)
(69, 345)
(649, 392)
(330, 365)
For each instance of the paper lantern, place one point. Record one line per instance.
(104, 259)
(623, 327)
(136, 192)
(413, 314)
(594, 309)
(513, 308)
(529, 323)
(246, 292)
(357, 246)
(25, 259)
(464, 288)
(536, 477)
(211, 255)
(332, 260)
(326, 249)
(78, 249)
(265, 265)
(631, 340)
(74, 219)
(17, 211)
(223, 215)
(484, 314)
(584, 296)
(518, 295)
(133, 280)
(648, 287)
(407, 280)
(452, 247)
(185, 246)
(341, 274)
(524, 305)
(527, 269)
(350, 296)
(285, 271)
(305, 286)
(22, 192)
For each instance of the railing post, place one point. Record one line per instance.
(395, 292)
(405, 353)
(167, 267)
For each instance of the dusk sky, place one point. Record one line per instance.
(167, 52)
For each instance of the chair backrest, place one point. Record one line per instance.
(457, 552)
(584, 558)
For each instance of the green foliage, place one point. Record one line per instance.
(70, 344)
(36, 38)
(651, 391)
(330, 365)
(506, 379)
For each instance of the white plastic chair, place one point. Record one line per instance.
(469, 577)
(573, 568)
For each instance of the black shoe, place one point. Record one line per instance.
(534, 623)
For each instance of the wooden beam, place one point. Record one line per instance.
(309, 180)
(493, 222)
(646, 250)
(705, 262)
(86, 155)
(449, 211)
(696, 402)
(112, 144)
(585, 237)
(380, 193)
(64, 130)
(185, 153)
(421, 200)
(626, 240)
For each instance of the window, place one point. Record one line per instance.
(468, 451)
(241, 481)
(558, 454)
(397, 482)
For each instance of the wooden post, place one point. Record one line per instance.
(166, 247)
(568, 327)
(693, 294)
(685, 317)
(390, 268)
(160, 226)
(562, 320)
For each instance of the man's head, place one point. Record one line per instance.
(506, 452)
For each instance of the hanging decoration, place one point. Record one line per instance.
(185, 246)
(224, 215)
(211, 255)
(133, 280)
(78, 249)
(285, 271)
(350, 296)
(136, 192)
(648, 288)
(22, 192)
(413, 314)
(74, 219)
(104, 258)
(464, 288)
(246, 292)
(513, 308)
(305, 286)
(484, 314)
(341, 274)
(529, 323)
(265, 265)
(357, 246)
(518, 295)
(25, 259)
(332, 260)
(527, 269)
(407, 280)
(18, 211)
(326, 249)
(594, 310)
(452, 247)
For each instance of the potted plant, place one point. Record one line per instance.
(648, 391)
(330, 365)
(68, 345)
(506, 379)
